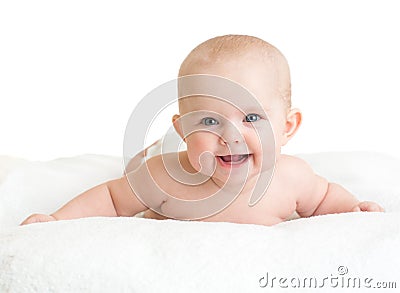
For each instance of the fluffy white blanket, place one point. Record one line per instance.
(141, 255)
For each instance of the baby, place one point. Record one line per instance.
(233, 169)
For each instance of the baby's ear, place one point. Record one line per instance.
(293, 121)
(177, 125)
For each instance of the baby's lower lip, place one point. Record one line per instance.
(235, 162)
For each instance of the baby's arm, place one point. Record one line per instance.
(113, 198)
(339, 200)
(317, 196)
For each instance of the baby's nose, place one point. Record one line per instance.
(230, 135)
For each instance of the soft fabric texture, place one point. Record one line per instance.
(28, 187)
(143, 255)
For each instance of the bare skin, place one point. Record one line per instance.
(293, 187)
(316, 197)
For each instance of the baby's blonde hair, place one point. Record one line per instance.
(230, 46)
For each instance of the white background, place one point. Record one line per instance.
(71, 72)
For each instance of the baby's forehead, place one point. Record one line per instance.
(208, 104)
(214, 93)
(252, 62)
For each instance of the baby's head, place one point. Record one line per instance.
(258, 67)
(247, 60)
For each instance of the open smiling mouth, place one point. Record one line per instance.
(230, 160)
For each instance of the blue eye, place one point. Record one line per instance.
(252, 117)
(209, 121)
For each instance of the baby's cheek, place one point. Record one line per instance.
(194, 161)
(264, 150)
(194, 151)
(200, 156)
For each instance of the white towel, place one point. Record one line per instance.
(143, 255)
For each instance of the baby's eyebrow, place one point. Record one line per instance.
(256, 110)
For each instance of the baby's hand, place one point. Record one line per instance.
(37, 218)
(367, 206)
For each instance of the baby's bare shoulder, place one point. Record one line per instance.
(171, 171)
(164, 162)
(291, 164)
(301, 176)
(155, 166)
(294, 170)
(166, 167)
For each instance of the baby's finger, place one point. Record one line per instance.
(368, 206)
(37, 218)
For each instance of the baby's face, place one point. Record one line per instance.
(229, 140)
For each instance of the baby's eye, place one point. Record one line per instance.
(252, 117)
(209, 121)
